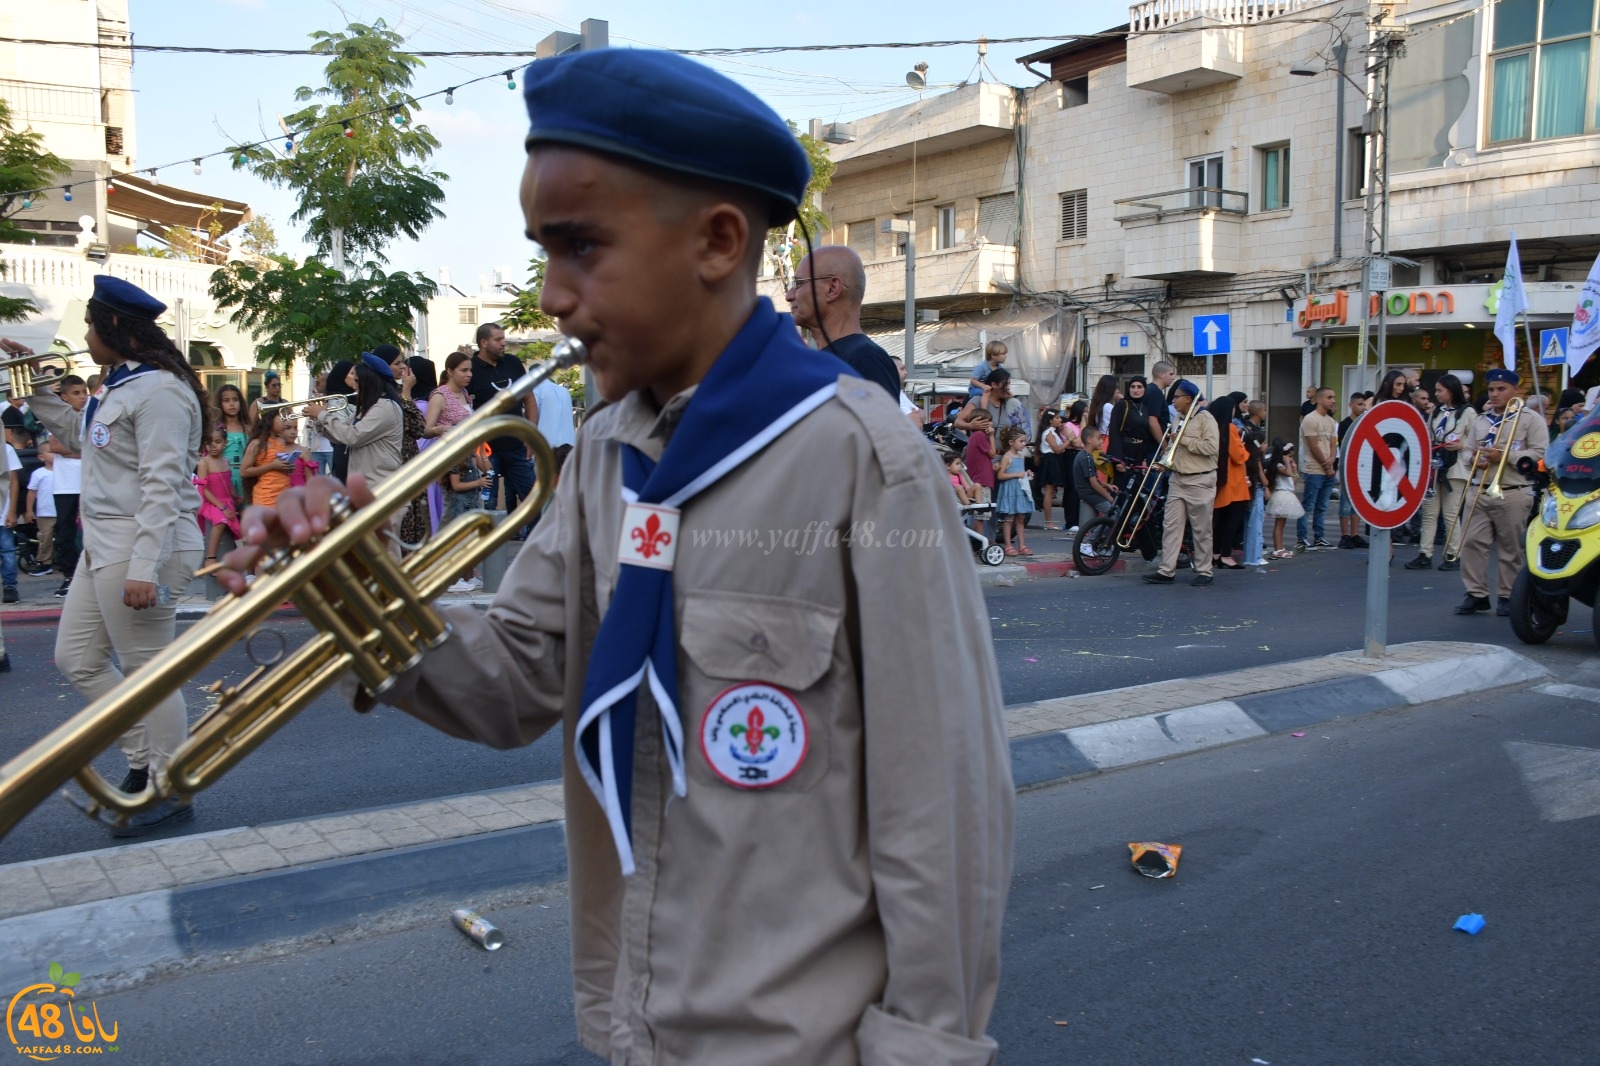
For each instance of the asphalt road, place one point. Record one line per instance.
(1309, 923)
(1082, 635)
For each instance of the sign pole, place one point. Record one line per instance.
(1377, 626)
(1210, 396)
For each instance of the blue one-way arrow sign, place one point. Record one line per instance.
(1212, 335)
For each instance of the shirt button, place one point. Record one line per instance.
(759, 642)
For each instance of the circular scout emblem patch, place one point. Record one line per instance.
(1587, 446)
(99, 434)
(754, 736)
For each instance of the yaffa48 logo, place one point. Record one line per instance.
(39, 1017)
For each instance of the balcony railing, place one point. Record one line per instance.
(1206, 198)
(1159, 14)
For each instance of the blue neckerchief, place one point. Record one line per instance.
(119, 374)
(763, 382)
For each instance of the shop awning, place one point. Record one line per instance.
(158, 205)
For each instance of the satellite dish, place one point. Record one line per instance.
(916, 81)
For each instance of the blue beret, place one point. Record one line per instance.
(1501, 374)
(670, 112)
(1188, 388)
(376, 365)
(126, 298)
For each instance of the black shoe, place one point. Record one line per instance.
(1359, 541)
(167, 812)
(1504, 608)
(1344, 542)
(1450, 565)
(1158, 578)
(1421, 562)
(41, 571)
(1201, 580)
(65, 586)
(1473, 604)
(138, 777)
(5, 664)
(10, 595)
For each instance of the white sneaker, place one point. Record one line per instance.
(460, 586)
(475, 582)
(1087, 550)
(1074, 529)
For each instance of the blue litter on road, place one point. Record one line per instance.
(1470, 923)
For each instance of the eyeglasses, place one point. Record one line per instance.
(801, 281)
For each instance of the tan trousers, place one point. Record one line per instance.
(1189, 499)
(94, 623)
(47, 540)
(1503, 524)
(1446, 502)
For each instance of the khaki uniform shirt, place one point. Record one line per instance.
(851, 913)
(138, 499)
(1532, 438)
(374, 440)
(1197, 451)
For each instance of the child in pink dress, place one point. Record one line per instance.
(218, 508)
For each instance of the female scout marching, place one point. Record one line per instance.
(140, 438)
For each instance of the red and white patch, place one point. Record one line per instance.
(649, 536)
(754, 736)
(99, 434)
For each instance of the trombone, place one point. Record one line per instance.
(1166, 449)
(1503, 439)
(374, 618)
(38, 378)
(336, 402)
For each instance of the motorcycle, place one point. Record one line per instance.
(1561, 557)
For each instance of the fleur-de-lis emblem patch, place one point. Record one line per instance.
(649, 536)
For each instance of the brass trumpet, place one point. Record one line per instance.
(373, 615)
(1504, 437)
(37, 378)
(336, 402)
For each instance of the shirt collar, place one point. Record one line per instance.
(638, 422)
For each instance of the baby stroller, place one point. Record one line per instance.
(990, 552)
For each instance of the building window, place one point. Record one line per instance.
(944, 230)
(1194, 366)
(1539, 70)
(1355, 164)
(113, 140)
(469, 316)
(1074, 92)
(997, 218)
(1206, 174)
(1075, 215)
(862, 237)
(1274, 177)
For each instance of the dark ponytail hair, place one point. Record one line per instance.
(142, 341)
(371, 387)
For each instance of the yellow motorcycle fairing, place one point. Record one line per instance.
(1555, 552)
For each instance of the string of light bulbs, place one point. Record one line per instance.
(240, 152)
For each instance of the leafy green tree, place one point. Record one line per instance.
(361, 182)
(791, 247)
(524, 315)
(316, 313)
(25, 169)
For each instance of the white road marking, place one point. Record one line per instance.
(1563, 781)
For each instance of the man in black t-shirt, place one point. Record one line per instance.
(833, 282)
(1162, 377)
(493, 370)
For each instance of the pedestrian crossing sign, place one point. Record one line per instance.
(1553, 347)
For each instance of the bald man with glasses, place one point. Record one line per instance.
(825, 300)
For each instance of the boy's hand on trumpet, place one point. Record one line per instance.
(300, 516)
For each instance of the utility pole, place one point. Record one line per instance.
(1385, 46)
(909, 228)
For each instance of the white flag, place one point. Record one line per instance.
(1513, 301)
(1585, 336)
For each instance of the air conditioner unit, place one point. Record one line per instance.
(839, 132)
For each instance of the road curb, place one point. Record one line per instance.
(128, 934)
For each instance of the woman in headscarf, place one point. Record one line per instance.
(414, 527)
(1130, 441)
(1232, 505)
(425, 382)
(341, 379)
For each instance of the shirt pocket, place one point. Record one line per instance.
(759, 665)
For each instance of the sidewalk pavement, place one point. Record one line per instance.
(124, 909)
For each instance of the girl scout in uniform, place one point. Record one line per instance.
(788, 810)
(140, 438)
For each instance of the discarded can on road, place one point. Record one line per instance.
(478, 928)
(1156, 860)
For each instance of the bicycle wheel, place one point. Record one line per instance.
(1100, 537)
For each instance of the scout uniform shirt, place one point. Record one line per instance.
(1531, 439)
(850, 912)
(1196, 453)
(138, 501)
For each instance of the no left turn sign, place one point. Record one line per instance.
(1386, 462)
